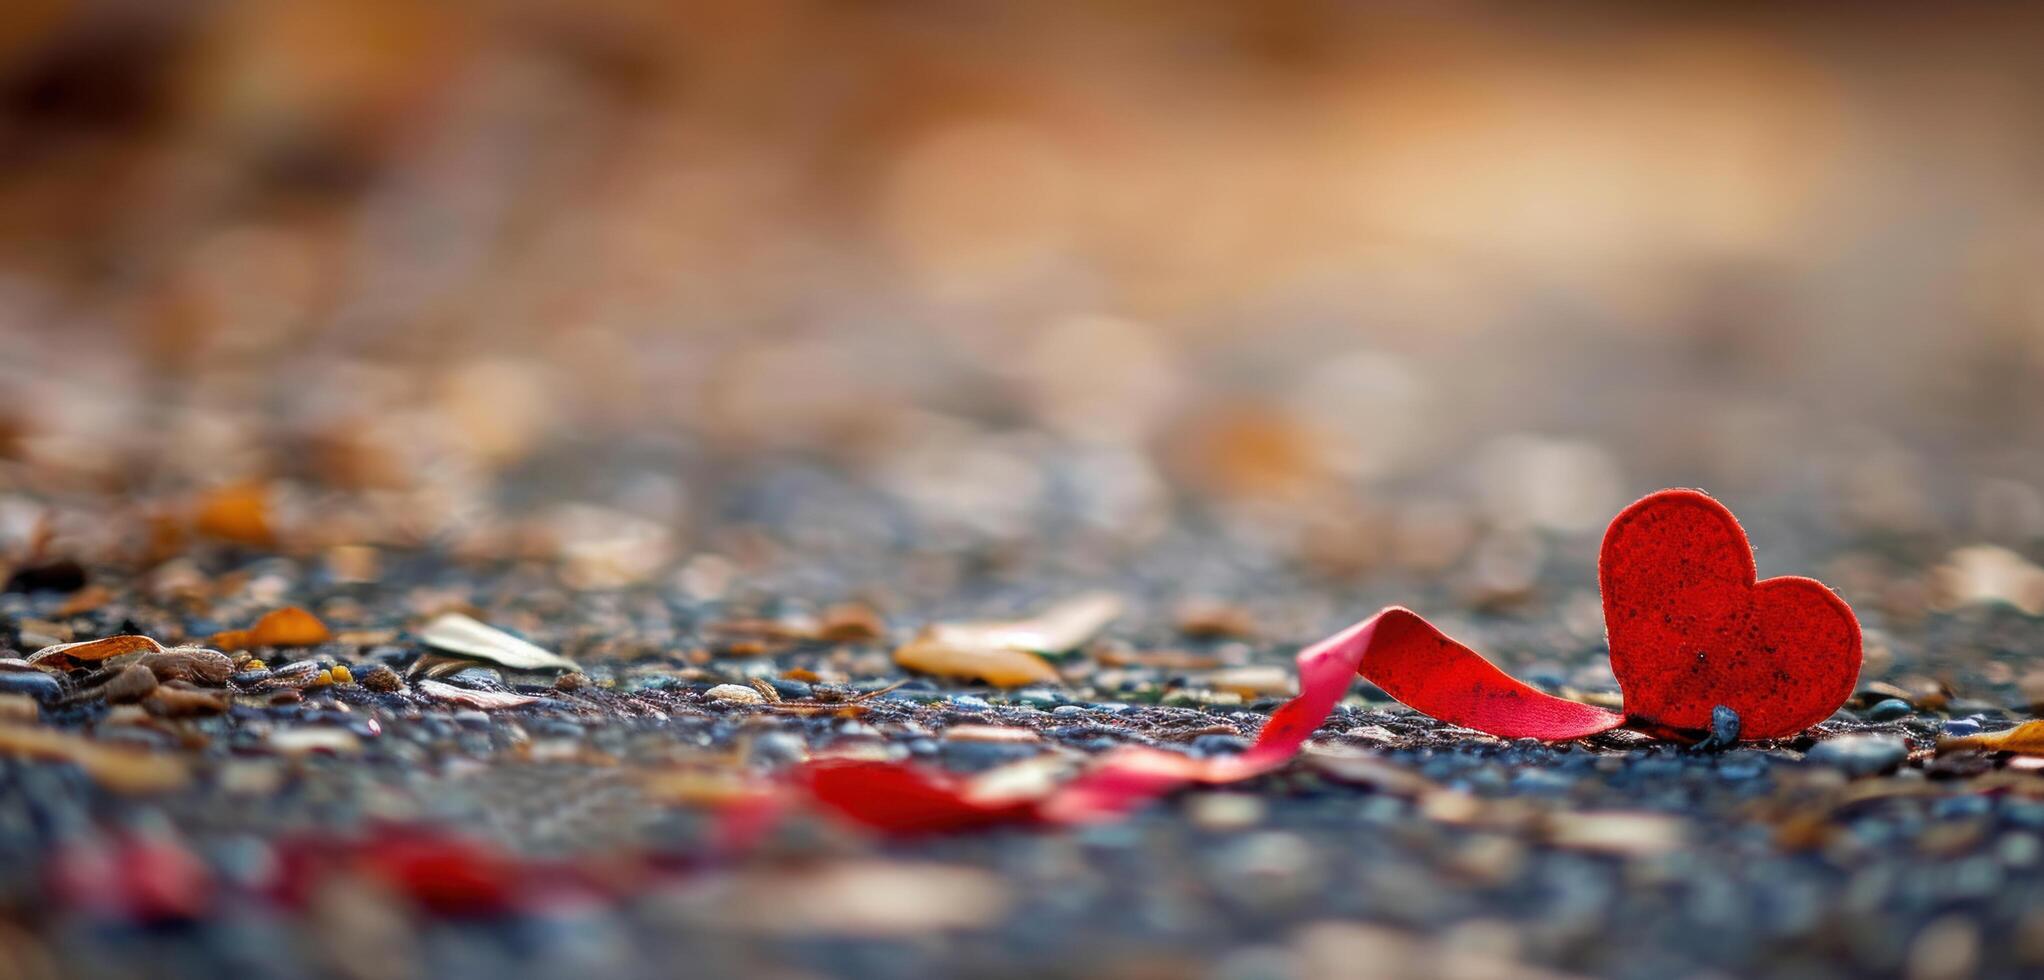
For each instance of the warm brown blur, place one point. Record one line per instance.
(1535, 257)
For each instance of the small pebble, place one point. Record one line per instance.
(19, 708)
(1891, 709)
(779, 748)
(1219, 745)
(382, 679)
(36, 684)
(989, 733)
(1961, 727)
(1861, 755)
(177, 701)
(737, 693)
(573, 680)
(133, 683)
(1225, 811)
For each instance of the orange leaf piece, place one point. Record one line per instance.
(239, 513)
(994, 665)
(2024, 739)
(93, 651)
(290, 626)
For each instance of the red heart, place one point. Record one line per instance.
(1690, 628)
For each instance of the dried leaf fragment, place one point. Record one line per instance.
(991, 733)
(484, 700)
(239, 513)
(2024, 739)
(850, 622)
(286, 627)
(456, 635)
(1003, 653)
(996, 666)
(430, 664)
(92, 651)
(1253, 681)
(1066, 625)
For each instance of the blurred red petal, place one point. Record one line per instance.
(902, 798)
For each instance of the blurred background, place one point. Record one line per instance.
(1352, 284)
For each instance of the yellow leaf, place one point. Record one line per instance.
(2025, 739)
(999, 667)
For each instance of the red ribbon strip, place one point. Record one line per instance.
(1395, 649)
(1691, 629)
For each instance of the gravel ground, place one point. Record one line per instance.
(367, 825)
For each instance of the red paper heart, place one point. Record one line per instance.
(1690, 628)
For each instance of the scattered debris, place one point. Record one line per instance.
(850, 622)
(286, 627)
(485, 700)
(738, 693)
(315, 739)
(1066, 625)
(89, 651)
(1258, 681)
(462, 642)
(996, 666)
(1617, 833)
(1003, 653)
(859, 898)
(19, 708)
(1210, 619)
(127, 686)
(383, 680)
(990, 733)
(1861, 755)
(178, 700)
(1986, 573)
(122, 770)
(189, 664)
(2024, 739)
(238, 513)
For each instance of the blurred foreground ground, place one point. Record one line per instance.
(708, 342)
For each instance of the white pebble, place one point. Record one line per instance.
(736, 692)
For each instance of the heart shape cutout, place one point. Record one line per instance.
(1690, 625)
(1690, 628)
